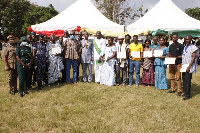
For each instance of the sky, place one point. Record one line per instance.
(61, 5)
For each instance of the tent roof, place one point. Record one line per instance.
(82, 13)
(166, 16)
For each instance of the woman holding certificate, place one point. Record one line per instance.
(148, 77)
(107, 73)
(160, 67)
(54, 60)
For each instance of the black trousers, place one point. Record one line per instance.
(187, 77)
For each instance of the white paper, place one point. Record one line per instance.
(184, 67)
(147, 54)
(135, 54)
(121, 55)
(56, 50)
(170, 60)
(158, 53)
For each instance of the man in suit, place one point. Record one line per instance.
(87, 57)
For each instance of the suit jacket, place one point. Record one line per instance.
(87, 50)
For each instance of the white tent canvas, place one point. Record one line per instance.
(165, 15)
(84, 14)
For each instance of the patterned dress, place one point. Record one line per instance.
(107, 73)
(160, 70)
(55, 63)
(148, 76)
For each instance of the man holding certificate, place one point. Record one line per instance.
(189, 58)
(135, 55)
(121, 62)
(175, 51)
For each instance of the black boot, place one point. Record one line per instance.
(40, 85)
(21, 94)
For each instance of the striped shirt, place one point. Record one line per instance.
(187, 57)
(119, 49)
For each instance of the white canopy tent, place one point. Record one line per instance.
(84, 14)
(166, 17)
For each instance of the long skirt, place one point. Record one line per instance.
(148, 76)
(160, 80)
(107, 74)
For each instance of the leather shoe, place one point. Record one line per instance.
(179, 94)
(186, 98)
(21, 95)
(26, 92)
(170, 91)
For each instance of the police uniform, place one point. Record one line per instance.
(25, 54)
(10, 53)
(40, 57)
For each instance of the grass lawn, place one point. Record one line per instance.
(95, 108)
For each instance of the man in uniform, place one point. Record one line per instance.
(24, 61)
(39, 55)
(9, 58)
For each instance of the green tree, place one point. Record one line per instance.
(119, 10)
(38, 14)
(193, 12)
(12, 13)
(17, 15)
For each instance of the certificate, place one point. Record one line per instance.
(170, 60)
(56, 50)
(158, 53)
(121, 55)
(147, 54)
(135, 54)
(184, 67)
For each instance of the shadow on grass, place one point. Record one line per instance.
(195, 88)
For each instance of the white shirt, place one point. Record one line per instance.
(101, 43)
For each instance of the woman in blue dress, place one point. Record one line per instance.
(160, 67)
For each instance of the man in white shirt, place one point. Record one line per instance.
(99, 51)
(189, 57)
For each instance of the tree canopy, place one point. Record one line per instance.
(120, 11)
(17, 15)
(193, 12)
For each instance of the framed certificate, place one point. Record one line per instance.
(135, 54)
(56, 50)
(121, 55)
(184, 67)
(158, 53)
(147, 54)
(170, 60)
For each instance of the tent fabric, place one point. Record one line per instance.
(84, 14)
(164, 16)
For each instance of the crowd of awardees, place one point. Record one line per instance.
(49, 61)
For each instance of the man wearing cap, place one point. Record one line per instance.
(9, 58)
(121, 62)
(24, 61)
(99, 51)
(39, 55)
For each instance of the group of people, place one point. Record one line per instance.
(44, 60)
